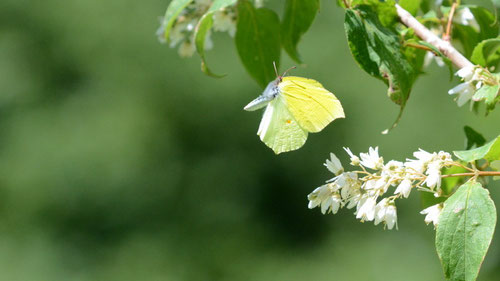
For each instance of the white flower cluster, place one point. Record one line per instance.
(362, 188)
(182, 32)
(474, 78)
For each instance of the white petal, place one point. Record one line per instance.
(391, 216)
(404, 188)
(333, 165)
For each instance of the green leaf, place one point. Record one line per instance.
(489, 151)
(488, 93)
(464, 232)
(487, 53)
(487, 22)
(258, 41)
(385, 9)
(174, 9)
(202, 30)
(468, 35)
(298, 17)
(473, 138)
(411, 6)
(377, 50)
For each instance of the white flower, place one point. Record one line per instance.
(466, 72)
(391, 217)
(370, 184)
(366, 208)
(333, 165)
(392, 172)
(224, 22)
(419, 165)
(382, 185)
(413, 165)
(464, 92)
(465, 17)
(177, 34)
(380, 210)
(318, 195)
(354, 159)
(349, 184)
(432, 214)
(444, 156)
(353, 200)
(430, 56)
(392, 168)
(386, 212)
(423, 155)
(186, 49)
(404, 188)
(371, 159)
(433, 174)
(331, 204)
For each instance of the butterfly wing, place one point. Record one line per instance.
(279, 130)
(310, 103)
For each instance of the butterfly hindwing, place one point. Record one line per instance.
(279, 130)
(313, 106)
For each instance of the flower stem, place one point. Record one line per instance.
(479, 173)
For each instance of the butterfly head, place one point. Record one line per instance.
(279, 78)
(271, 92)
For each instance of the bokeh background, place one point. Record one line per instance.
(121, 161)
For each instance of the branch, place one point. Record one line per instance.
(425, 34)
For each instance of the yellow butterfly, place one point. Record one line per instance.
(295, 107)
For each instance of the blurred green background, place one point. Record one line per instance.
(121, 161)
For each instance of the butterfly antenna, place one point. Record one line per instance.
(275, 69)
(293, 67)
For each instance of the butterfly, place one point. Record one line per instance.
(296, 106)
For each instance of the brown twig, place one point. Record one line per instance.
(447, 35)
(421, 47)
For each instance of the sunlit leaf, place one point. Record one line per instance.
(489, 151)
(488, 93)
(487, 53)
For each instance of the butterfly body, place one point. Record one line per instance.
(295, 106)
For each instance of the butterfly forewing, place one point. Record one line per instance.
(310, 103)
